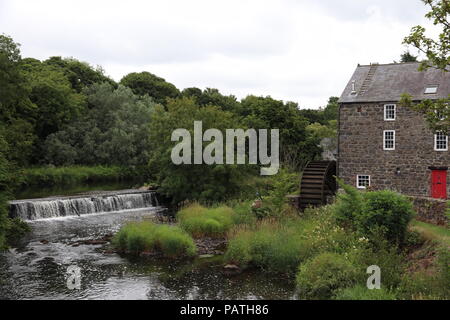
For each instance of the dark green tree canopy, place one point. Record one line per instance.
(80, 74)
(146, 83)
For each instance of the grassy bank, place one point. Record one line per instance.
(52, 176)
(171, 241)
(432, 232)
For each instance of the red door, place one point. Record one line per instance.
(439, 184)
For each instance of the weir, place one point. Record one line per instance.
(32, 209)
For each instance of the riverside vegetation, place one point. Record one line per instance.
(326, 250)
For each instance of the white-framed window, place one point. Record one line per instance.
(440, 141)
(390, 112)
(389, 140)
(362, 181)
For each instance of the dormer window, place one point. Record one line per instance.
(431, 89)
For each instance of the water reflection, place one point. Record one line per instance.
(37, 270)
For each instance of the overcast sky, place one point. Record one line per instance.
(295, 50)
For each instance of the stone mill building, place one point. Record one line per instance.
(382, 145)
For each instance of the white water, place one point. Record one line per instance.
(35, 209)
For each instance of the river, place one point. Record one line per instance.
(38, 267)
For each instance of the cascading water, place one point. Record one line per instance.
(70, 206)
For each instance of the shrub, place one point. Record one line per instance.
(363, 293)
(202, 222)
(321, 276)
(388, 210)
(135, 238)
(379, 210)
(348, 205)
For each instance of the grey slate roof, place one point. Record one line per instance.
(387, 82)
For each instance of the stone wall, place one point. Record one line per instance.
(361, 151)
(431, 210)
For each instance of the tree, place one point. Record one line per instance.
(146, 83)
(80, 74)
(407, 57)
(57, 103)
(199, 182)
(297, 146)
(114, 130)
(437, 51)
(16, 109)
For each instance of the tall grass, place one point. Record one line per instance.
(281, 244)
(206, 222)
(171, 241)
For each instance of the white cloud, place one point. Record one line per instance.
(294, 50)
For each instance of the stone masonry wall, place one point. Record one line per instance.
(431, 210)
(361, 151)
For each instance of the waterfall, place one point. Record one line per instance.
(71, 206)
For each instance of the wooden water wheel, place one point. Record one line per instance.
(318, 184)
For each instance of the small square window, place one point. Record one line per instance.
(389, 140)
(431, 90)
(363, 181)
(440, 141)
(390, 112)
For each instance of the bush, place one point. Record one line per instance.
(321, 276)
(377, 211)
(363, 293)
(135, 238)
(202, 222)
(388, 210)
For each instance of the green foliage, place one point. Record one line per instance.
(437, 54)
(407, 57)
(436, 51)
(349, 204)
(203, 222)
(212, 97)
(425, 285)
(146, 83)
(114, 131)
(320, 277)
(385, 211)
(243, 213)
(388, 210)
(57, 103)
(171, 241)
(283, 184)
(80, 74)
(205, 183)
(297, 147)
(270, 246)
(360, 292)
(280, 245)
(50, 176)
(10, 229)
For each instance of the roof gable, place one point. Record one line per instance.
(387, 82)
